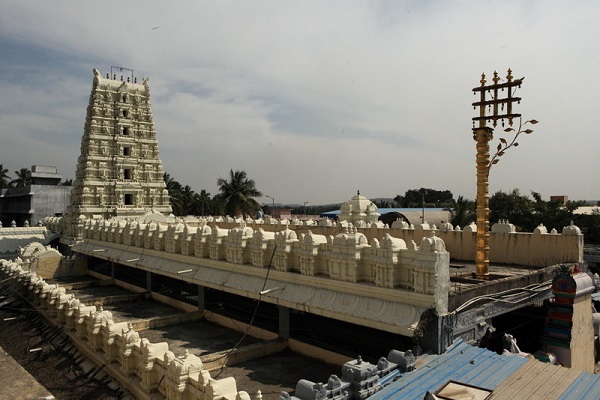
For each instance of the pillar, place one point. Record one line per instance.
(569, 329)
(284, 322)
(482, 136)
(201, 298)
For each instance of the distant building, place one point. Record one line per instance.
(282, 213)
(44, 197)
(561, 199)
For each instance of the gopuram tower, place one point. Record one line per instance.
(119, 173)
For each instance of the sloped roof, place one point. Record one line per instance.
(412, 215)
(585, 387)
(509, 377)
(461, 363)
(538, 380)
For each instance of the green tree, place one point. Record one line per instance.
(23, 178)
(175, 193)
(384, 204)
(67, 182)
(590, 226)
(554, 214)
(514, 207)
(4, 178)
(238, 192)
(202, 203)
(416, 197)
(187, 199)
(463, 211)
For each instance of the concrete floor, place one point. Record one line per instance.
(17, 383)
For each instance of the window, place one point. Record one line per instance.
(128, 199)
(127, 151)
(125, 113)
(126, 131)
(127, 173)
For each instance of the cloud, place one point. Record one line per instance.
(314, 99)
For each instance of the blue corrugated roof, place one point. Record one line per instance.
(384, 211)
(585, 387)
(462, 363)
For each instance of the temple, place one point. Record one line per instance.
(119, 173)
(353, 278)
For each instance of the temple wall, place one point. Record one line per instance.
(516, 248)
(348, 256)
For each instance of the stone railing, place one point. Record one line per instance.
(12, 238)
(348, 256)
(541, 248)
(155, 367)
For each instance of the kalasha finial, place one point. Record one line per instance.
(358, 192)
(496, 78)
(482, 81)
(509, 76)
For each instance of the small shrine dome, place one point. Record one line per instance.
(359, 208)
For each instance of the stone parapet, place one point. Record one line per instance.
(151, 365)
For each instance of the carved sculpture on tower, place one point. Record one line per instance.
(118, 130)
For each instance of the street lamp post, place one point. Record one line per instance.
(305, 203)
(273, 210)
(423, 206)
(499, 107)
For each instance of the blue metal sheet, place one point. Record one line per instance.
(383, 211)
(585, 387)
(462, 363)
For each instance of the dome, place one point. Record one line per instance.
(359, 208)
(572, 229)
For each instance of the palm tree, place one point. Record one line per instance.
(23, 178)
(4, 178)
(187, 199)
(202, 202)
(238, 193)
(217, 205)
(462, 211)
(174, 188)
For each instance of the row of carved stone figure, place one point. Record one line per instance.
(387, 262)
(151, 365)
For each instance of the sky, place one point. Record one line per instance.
(313, 99)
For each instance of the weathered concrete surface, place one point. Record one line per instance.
(16, 382)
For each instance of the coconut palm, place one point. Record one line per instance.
(201, 202)
(23, 178)
(238, 192)
(4, 178)
(187, 199)
(462, 211)
(174, 188)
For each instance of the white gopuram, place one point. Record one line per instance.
(119, 172)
